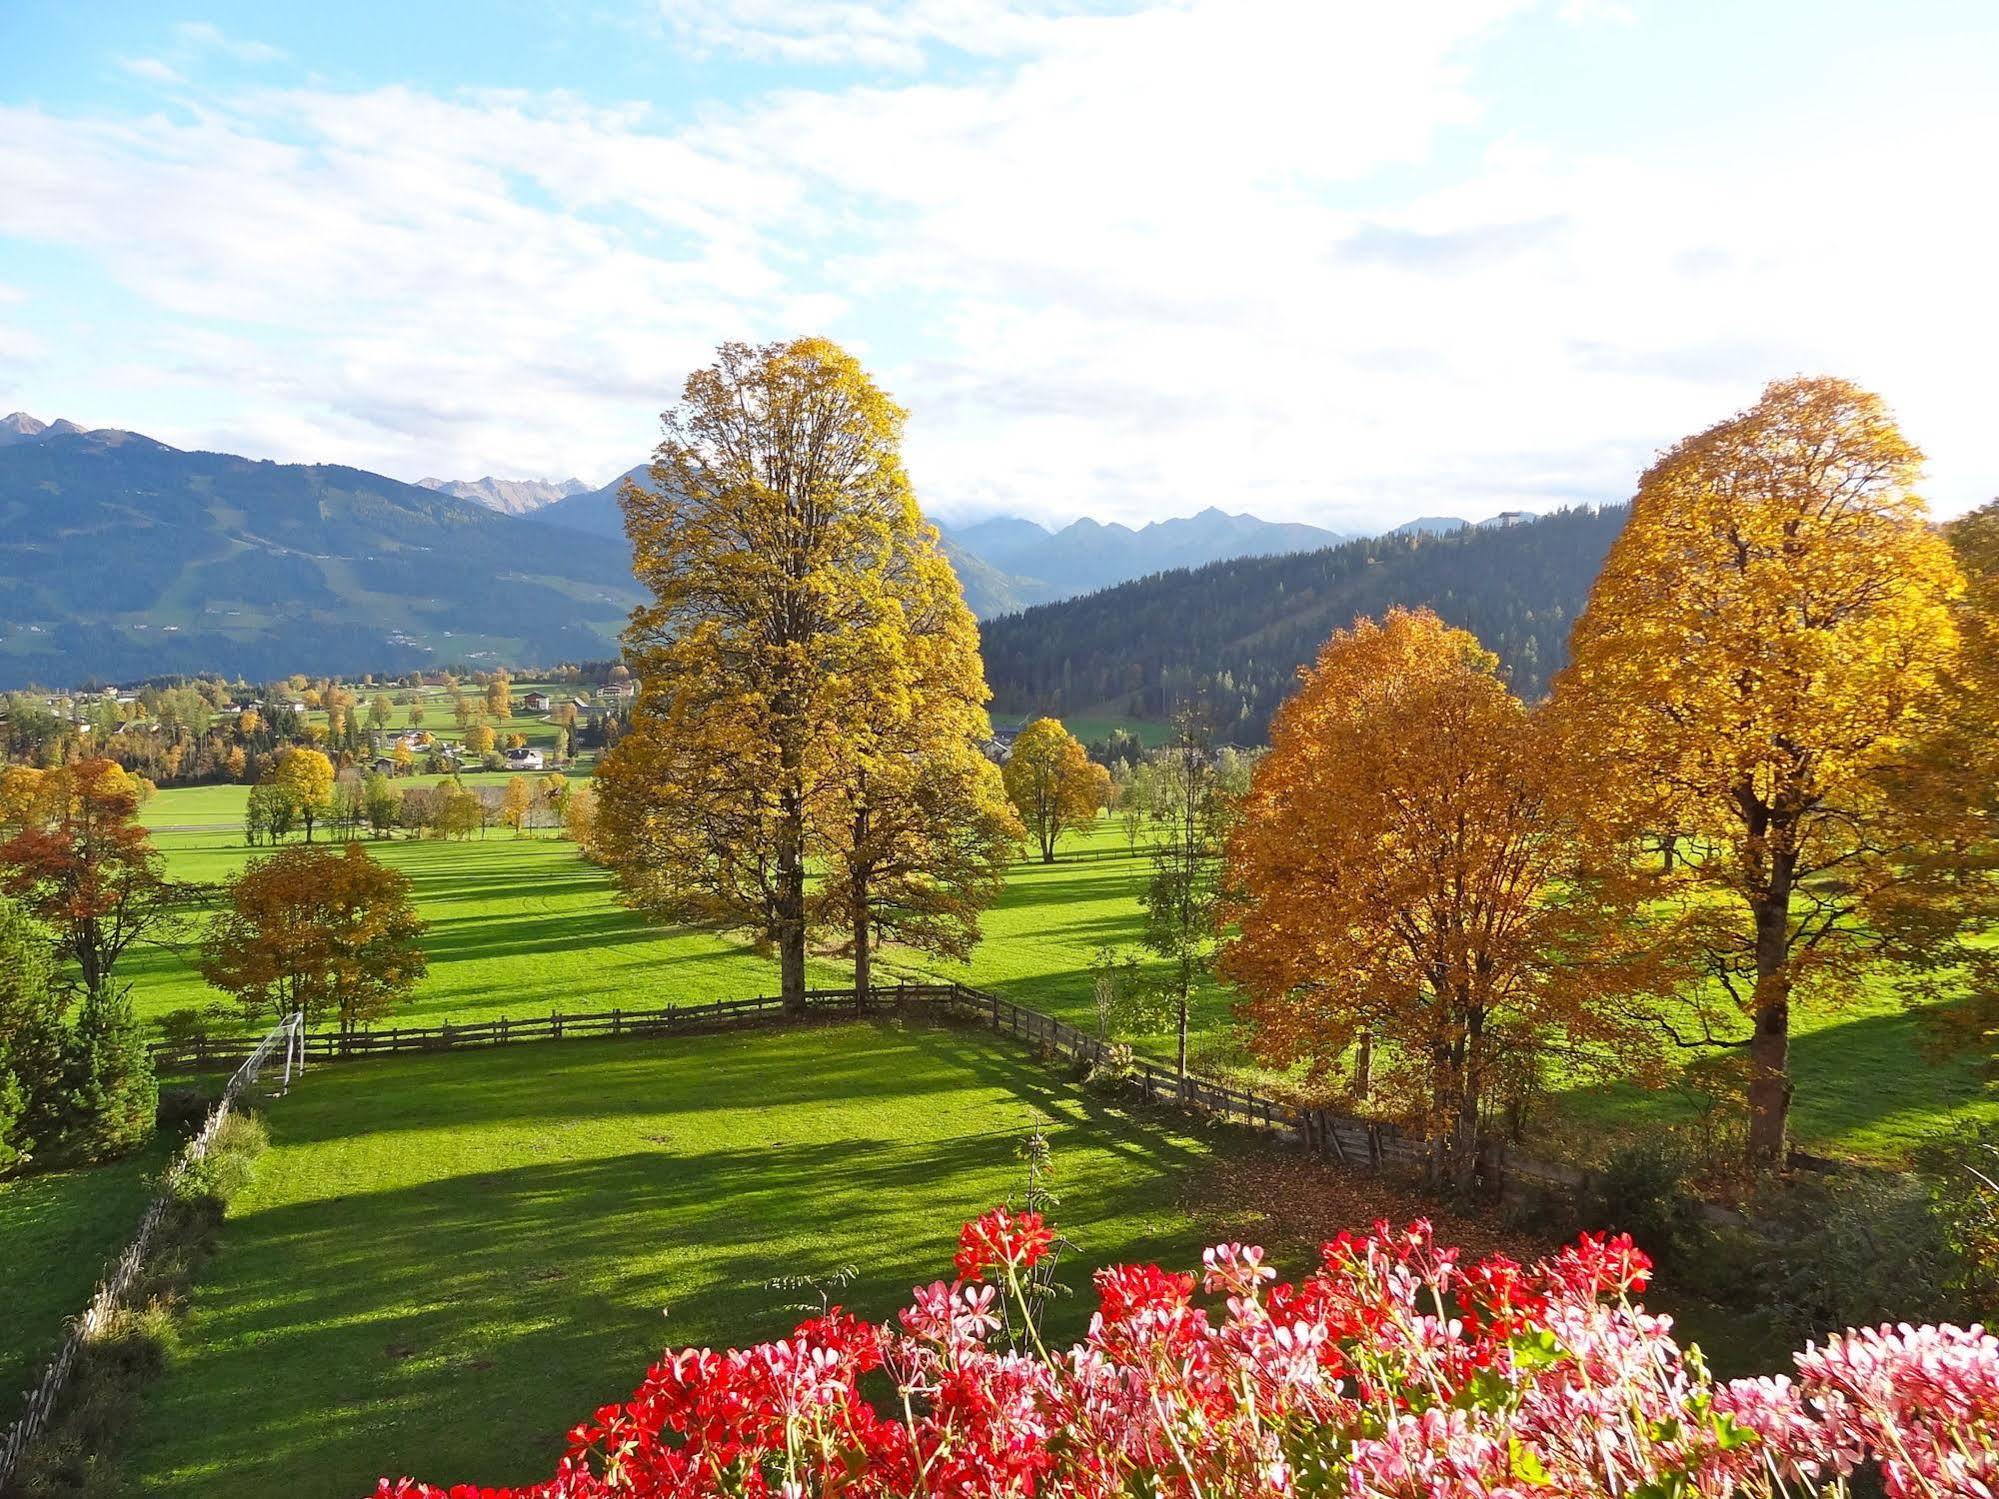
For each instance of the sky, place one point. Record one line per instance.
(1317, 260)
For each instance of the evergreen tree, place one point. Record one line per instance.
(109, 1094)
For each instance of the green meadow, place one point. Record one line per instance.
(523, 926)
(443, 1263)
(57, 1229)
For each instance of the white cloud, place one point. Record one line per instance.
(1213, 251)
(204, 36)
(151, 69)
(896, 36)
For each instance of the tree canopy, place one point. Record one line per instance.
(1757, 682)
(314, 930)
(791, 577)
(1397, 873)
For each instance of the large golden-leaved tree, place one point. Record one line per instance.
(1399, 874)
(1053, 783)
(786, 557)
(1765, 680)
(916, 830)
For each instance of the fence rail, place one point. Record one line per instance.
(39, 1403)
(1349, 1139)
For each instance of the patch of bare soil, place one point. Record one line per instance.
(1291, 1203)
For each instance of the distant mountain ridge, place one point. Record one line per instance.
(508, 496)
(122, 557)
(1231, 635)
(18, 427)
(1086, 555)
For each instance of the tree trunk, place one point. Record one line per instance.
(791, 965)
(1770, 1044)
(790, 915)
(1363, 1067)
(1180, 1060)
(864, 959)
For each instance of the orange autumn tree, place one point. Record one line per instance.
(1766, 680)
(84, 866)
(1399, 873)
(318, 931)
(1053, 783)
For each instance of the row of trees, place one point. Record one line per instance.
(301, 792)
(1765, 772)
(1766, 775)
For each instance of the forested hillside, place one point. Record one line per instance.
(121, 557)
(1233, 634)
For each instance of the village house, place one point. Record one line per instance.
(534, 702)
(523, 758)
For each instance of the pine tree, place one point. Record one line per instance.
(109, 1093)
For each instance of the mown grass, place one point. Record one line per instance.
(523, 926)
(518, 926)
(445, 1262)
(57, 1231)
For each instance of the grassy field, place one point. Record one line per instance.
(220, 808)
(444, 1263)
(522, 926)
(518, 926)
(57, 1230)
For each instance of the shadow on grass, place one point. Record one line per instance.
(456, 1327)
(1867, 1085)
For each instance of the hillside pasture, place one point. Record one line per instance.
(445, 1262)
(57, 1230)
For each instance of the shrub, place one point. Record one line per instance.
(1960, 1170)
(181, 1110)
(1641, 1191)
(229, 1164)
(1850, 1250)
(1393, 1370)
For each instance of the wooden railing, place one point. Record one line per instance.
(39, 1403)
(1349, 1139)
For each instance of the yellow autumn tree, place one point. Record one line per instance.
(517, 804)
(1766, 657)
(1053, 783)
(1399, 877)
(479, 740)
(304, 777)
(772, 539)
(916, 830)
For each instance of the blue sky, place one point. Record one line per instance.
(1334, 262)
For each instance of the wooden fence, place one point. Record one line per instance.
(1352, 1141)
(211, 1054)
(39, 1403)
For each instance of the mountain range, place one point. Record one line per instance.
(508, 496)
(123, 557)
(1231, 635)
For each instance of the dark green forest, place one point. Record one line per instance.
(1231, 636)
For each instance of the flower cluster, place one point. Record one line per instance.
(1392, 1372)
